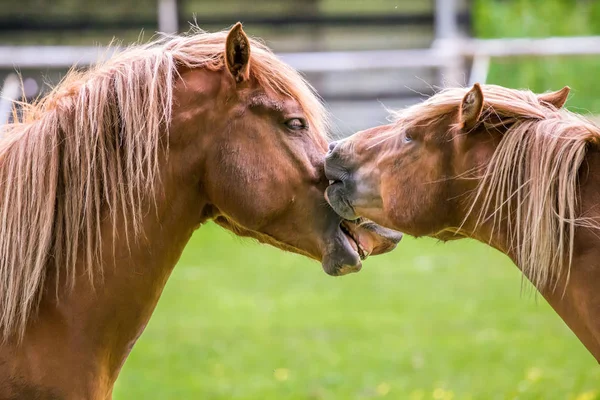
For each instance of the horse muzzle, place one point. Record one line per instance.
(341, 182)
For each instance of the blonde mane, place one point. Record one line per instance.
(90, 151)
(531, 181)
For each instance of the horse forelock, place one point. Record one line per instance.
(90, 151)
(531, 181)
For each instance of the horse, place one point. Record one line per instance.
(507, 167)
(104, 180)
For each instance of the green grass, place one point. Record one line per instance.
(239, 320)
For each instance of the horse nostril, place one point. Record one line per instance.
(332, 146)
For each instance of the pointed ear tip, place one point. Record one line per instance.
(476, 88)
(474, 95)
(236, 29)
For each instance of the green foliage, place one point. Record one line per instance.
(534, 18)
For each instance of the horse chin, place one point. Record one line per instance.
(344, 249)
(341, 256)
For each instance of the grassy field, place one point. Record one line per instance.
(429, 321)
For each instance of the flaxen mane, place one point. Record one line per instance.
(532, 175)
(90, 150)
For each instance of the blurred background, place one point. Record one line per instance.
(429, 321)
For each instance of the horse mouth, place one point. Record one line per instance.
(353, 240)
(345, 247)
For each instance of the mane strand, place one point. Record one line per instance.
(531, 181)
(533, 174)
(89, 152)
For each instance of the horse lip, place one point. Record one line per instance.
(340, 258)
(393, 236)
(388, 238)
(338, 202)
(334, 172)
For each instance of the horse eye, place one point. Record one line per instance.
(296, 124)
(407, 138)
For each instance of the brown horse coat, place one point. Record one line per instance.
(507, 167)
(103, 182)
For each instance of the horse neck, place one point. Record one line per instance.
(576, 300)
(89, 331)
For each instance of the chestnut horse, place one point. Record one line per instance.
(507, 167)
(105, 179)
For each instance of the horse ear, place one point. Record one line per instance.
(471, 107)
(555, 99)
(237, 53)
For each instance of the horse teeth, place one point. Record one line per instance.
(362, 252)
(331, 181)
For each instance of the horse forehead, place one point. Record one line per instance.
(198, 80)
(207, 82)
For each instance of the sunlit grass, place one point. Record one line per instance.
(433, 321)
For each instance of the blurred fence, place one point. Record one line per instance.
(10, 92)
(355, 53)
(355, 60)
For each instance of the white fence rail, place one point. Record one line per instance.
(66, 56)
(446, 55)
(11, 91)
(441, 52)
(531, 47)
